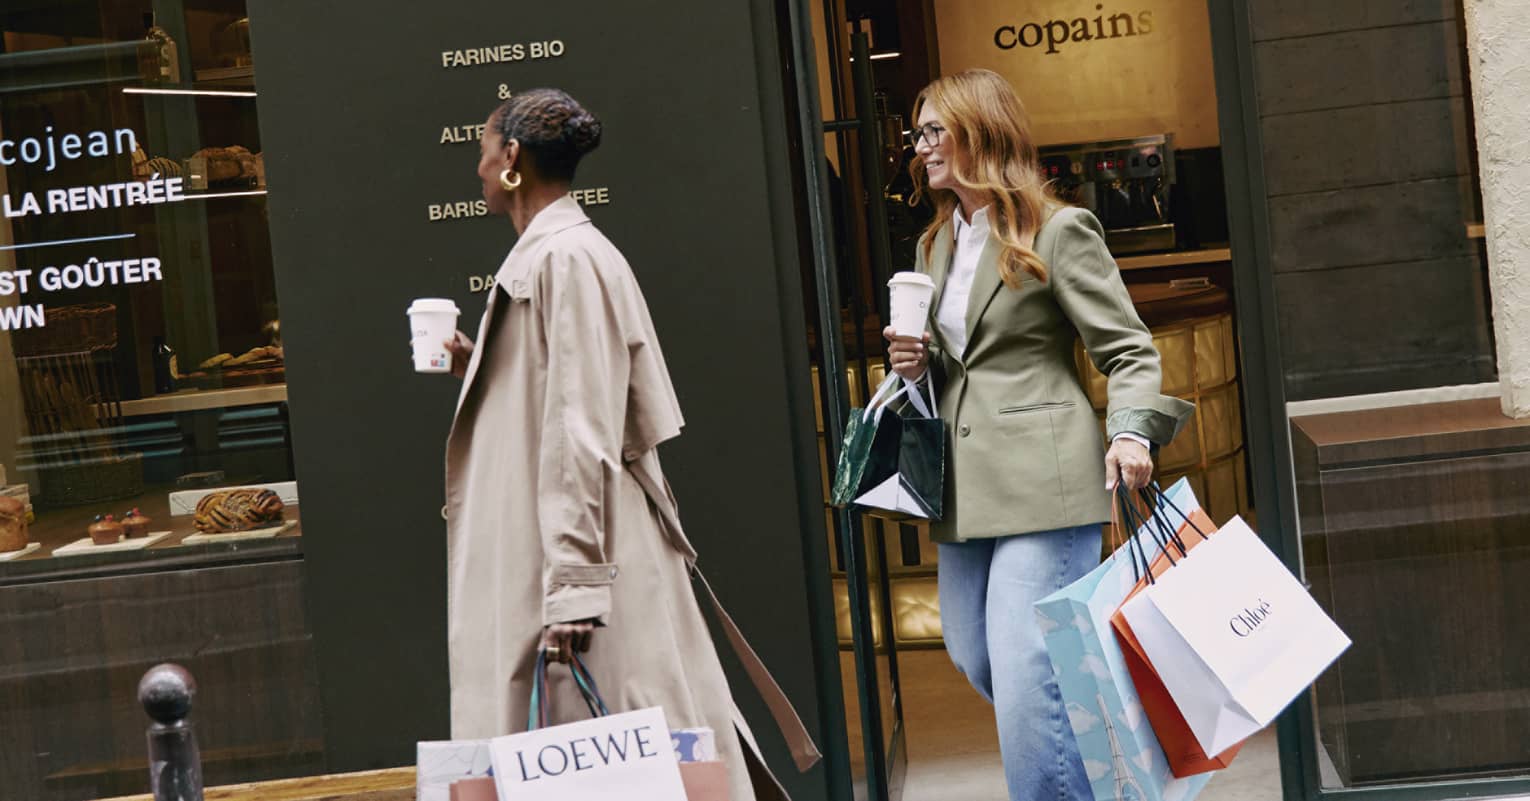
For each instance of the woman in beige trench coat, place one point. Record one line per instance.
(561, 530)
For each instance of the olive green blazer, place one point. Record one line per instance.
(1025, 452)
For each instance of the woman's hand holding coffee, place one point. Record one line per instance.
(461, 349)
(909, 357)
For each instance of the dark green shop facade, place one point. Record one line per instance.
(1319, 241)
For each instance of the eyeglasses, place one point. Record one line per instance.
(928, 132)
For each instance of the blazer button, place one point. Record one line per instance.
(443, 513)
(964, 430)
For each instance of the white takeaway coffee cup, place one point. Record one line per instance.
(432, 323)
(911, 294)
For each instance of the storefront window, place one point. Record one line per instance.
(150, 505)
(142, 355)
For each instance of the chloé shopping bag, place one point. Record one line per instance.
(621, 757)
(1176, 522)
(1234, 636)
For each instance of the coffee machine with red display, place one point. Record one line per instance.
(1126, 184)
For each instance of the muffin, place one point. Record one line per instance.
(105, 531)
(134, 524)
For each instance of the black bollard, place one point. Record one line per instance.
(175, 765)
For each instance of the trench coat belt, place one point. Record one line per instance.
(804, 751)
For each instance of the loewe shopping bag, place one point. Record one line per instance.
(624, 757)
(916, 486)
(1121, 753)
(1234, 635)
(1177, 524)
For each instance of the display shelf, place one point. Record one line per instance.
(85, 545)
(56, 528)
(227, 76)
(1175, 259)
(202, 400)
(10, 555)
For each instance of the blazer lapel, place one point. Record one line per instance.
(939, 266)
(985, 286)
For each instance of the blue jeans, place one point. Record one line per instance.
(987, 589)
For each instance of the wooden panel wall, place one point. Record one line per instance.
(1367, 154)
(73, 653)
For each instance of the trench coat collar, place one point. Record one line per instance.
(560, 215)
(514, 273)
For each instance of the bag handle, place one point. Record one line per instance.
(912, 387)
(878, 402)
(1164, 499)
(537, 716)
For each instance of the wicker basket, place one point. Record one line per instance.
(71, 329)
(95, 481)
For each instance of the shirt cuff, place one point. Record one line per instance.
(1137, 438)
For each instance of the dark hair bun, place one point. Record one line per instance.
(582, 131)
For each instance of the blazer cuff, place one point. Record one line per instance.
(1157, 419)
(578, 592)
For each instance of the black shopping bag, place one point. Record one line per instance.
(912, 461)
(869, 452)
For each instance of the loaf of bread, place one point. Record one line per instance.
(13, 524)
(230, 510)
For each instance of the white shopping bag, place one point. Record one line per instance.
(626, 757)
(1234, 636)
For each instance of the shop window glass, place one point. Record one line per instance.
(144, 439)
(142, 359)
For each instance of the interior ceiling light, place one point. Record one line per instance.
(134, 90)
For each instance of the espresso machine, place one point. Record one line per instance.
(1125, 183)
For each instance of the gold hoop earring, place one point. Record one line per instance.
(508, 184)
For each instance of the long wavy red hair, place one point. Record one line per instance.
(995, 158)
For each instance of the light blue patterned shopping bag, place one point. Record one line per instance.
(1121, 755)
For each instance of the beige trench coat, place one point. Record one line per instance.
(548, 519)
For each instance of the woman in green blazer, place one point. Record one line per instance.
(1019, 279)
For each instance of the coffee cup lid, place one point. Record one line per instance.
(909, 277)
(433, 305)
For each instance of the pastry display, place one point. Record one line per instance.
(226, 511)
(134, 524)
(259, 365)
(224, 166)
(13, 524)
(105, 531)
(254, 355)
(216, 361)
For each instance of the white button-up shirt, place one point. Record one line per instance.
(970, 238)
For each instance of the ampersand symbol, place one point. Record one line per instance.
(504, 91)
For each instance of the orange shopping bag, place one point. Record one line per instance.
(1176, 505)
